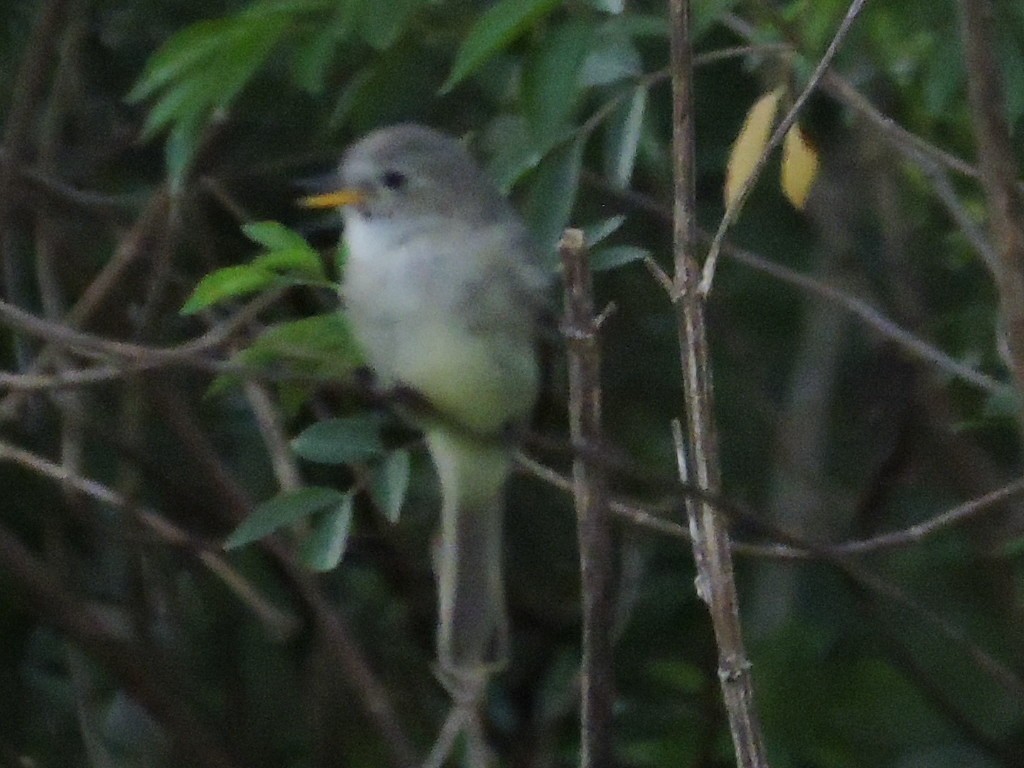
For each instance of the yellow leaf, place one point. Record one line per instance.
(750, 143)
(799, 166)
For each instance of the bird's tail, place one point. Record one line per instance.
(472, 634)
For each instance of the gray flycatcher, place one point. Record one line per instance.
(443, 287)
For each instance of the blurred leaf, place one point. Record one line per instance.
(323, 339)
(608, 6)
(349, 95)
(180, 150)
(288, 8)
(707, 12)
(551, 88)
(622, 138)
(677, 674)
(323, 549)
(944, 79)
(341, 257)
(612, 256)
(750, 143)
(229, 283)
(341, 441)
(595, 233)
(799, 166)
(1011, 59)
(204, 67)
(282, 510)
(390, 483)
(177, 55)
(640, 25)
(557, 687)
(515, 153)
(187, 103)
(494, 31)
(614, 57)
(311, 61)
(384, 23)
(554, 193)
(274, 236)
(319, 346)
(290, 261)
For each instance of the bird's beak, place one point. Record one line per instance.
(337, 199)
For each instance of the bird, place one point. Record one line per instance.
(444, 289)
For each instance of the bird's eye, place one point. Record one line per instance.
(393, 179)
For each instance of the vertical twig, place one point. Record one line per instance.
(710, 540)
(580, 327)
(999, 171)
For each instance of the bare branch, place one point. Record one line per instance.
(711, 547)
(580, 328)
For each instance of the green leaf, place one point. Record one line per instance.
(228, 283)
(612, 256)
(390, 483)
(196, 81)
(602, 230)
(325, 342)
(622, 138)
(188, 101)
(320, 346)
(1012, 64)
(282, 510)
(341, 441)
(180, 53)
(515, 153)
(386, 22)
(288, 251)
(311, 61)
(706, 13)
(341, 257)
(608, 6)
(301, 263)
(274, 236)
(326, 544)
(551, 88)
(614, 58)
(677, 675)
(350, 95)
(180, 150)
(494, 31)
(288, 8)
(554, 193)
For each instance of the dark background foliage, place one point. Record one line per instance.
(139, 138)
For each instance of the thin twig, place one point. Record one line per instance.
(711, 546)
(580, 328)
(653, 518)
(736, 204)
